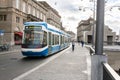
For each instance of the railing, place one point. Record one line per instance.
(109, 73)
(111, 43)
(92, 51)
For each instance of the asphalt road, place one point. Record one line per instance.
(14, 64)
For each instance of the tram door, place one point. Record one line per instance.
(50, 43)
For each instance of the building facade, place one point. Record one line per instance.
(53, 16)
(83, 27)
(72, 35)
(13, 13)
(85, 32)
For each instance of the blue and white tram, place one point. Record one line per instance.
(42, 39)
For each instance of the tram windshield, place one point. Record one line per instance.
(34, 37)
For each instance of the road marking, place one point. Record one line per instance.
(41, 65)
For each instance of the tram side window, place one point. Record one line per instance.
(53, 38)
(60, 39)
(66, 40)
(63, 40)
(49, 38)
(45, 39)
(56, 39)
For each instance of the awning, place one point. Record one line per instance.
(19, 33)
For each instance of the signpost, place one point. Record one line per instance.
(1, 36)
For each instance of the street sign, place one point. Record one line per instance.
(1, 32)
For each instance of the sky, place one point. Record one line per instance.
(71, 12)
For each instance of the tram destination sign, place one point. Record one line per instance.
(38, 28)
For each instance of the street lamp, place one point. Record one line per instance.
(94, 11)
(115, 6)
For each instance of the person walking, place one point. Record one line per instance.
(82, 42)
(73, 45)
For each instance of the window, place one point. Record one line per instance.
(45, 39)
(53, 39)
(43, 17)
(37, 13)
(61, 39)
(24, 20)
(33, 11)
(49, 38)
(3, 17)
(17, 19)
(17, 4)
(29, 9)
(56, 39)
(24, 7)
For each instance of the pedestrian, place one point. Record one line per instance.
(82, 43)
(73, 45)
(79, 42)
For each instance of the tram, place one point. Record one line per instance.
(43, 39)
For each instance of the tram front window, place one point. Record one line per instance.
(33, 39)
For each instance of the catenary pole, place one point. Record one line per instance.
(99, 27)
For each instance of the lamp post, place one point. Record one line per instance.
(100, 26)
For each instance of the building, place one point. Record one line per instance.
(83, 27)
(85, 32)
(72, 34)
(53, 16)
(13, 13)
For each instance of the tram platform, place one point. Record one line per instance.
(65, 65)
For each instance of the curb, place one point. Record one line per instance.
(7, 52)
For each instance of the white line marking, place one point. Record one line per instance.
(41, 65)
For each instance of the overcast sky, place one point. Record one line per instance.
(71, 15)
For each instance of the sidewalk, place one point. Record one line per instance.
(66, 65)
(13, 48)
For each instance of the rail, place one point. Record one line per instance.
(109, 73)
(91, 49)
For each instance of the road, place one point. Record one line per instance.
(14, 64)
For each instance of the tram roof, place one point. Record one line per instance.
(47, 26)
(35, 23)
